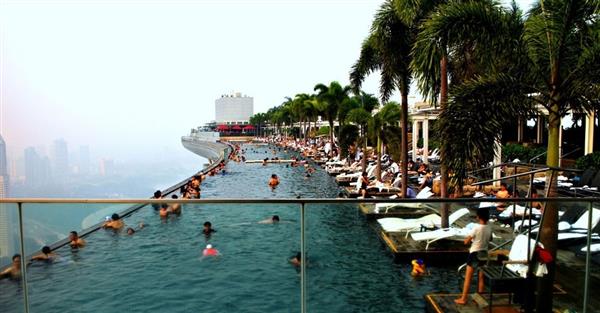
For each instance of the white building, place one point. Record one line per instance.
(234, 109)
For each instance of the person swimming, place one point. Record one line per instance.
(418, 267)
(210, 251)
(14, 271)
(297, 259)
(273, 220)
(46, 255)
(74, 241)
(207, 229)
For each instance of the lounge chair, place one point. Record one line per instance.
(395, 224)
(453, 233)
(511, 273)
(423, 194)
(578, 230)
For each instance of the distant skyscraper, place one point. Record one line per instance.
(60, 159)
(37, 168)
(84, 160)
(107, 167)
(6, 242)
(3, 162)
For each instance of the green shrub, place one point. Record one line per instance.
(323, 130)
(513, 151)
(591, 160)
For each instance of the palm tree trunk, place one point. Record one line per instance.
(331, 137)
(378, 170)
(364, 157)
(549, 231)
(404, 144)
(443, 168)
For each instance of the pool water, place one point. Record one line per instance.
(160, 268)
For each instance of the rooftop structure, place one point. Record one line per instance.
(234, 109)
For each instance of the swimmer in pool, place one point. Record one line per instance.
(273, 220)
(175, 208)
(131, 230)
(210, 251)
(418, 268)
(46, 255)
(208, 230)
(14, 271)
(274, 181)
(297, 259)
(164, 212)
(74, 241)
(115, 222)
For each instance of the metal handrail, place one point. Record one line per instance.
(512, 176)
(283, 200)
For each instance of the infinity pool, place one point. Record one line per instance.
(160, 269)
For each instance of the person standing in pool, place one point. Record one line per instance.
(14, 271)
(74, 241)
(175, 208)
(208, 230)
(479, 238)
(115, 222)
(164, 211)
(274, 181)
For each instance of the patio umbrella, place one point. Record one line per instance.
(222, 127)
(236, 127)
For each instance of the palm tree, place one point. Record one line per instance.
(331, 97)
(361, 117)
(389, 115)
(387, 49)
(554, 63)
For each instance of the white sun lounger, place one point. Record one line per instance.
(423, 194)
(396, 224)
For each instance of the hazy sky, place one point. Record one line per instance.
(126, 77)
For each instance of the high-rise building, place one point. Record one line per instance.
(60, 159)
(37, 168)
(234, 109)
(3, 161)
(6, 241)
(107, 167)
(84, 160)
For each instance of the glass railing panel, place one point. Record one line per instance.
(11, 288)
(161, 267)
(351, 268)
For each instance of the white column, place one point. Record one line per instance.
(520, 130)
(540, 128)
(426, 141)
(497, 173)
(415, 139)
(590, 122)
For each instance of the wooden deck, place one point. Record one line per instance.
(443, 252)
(444, 303)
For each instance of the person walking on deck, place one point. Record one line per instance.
(479, 238)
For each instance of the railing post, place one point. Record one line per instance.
(303, 260)
(23, 261)
(587, 260)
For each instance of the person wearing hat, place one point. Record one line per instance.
(210, 251)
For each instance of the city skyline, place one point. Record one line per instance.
(124, 96)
